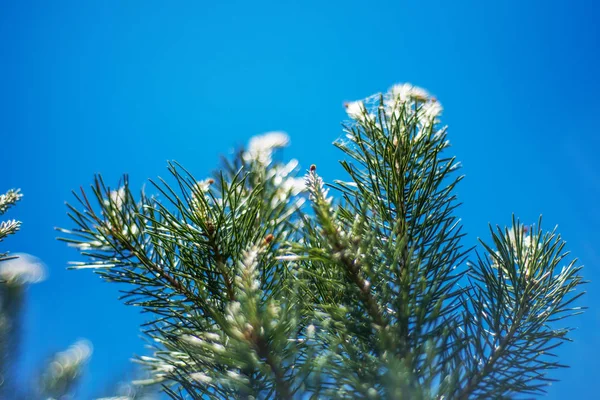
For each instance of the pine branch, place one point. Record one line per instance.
(523, 294)
(332, 233)
(194, 252)
(63, 371)
(9, 227)
(9, 199)
(367, 296)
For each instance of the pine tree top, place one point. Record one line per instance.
(365, 290)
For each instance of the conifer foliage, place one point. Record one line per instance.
(266, 285)
(59, 377)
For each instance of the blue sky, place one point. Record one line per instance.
(122, 86)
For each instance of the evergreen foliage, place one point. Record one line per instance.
(368, 294)
(59, 377)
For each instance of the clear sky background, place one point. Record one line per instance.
(122, 86)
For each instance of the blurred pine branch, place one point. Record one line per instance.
(59, 378)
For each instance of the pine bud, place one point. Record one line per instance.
(310, 331)
(210, 228)
(313, 168)
(269, 238)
